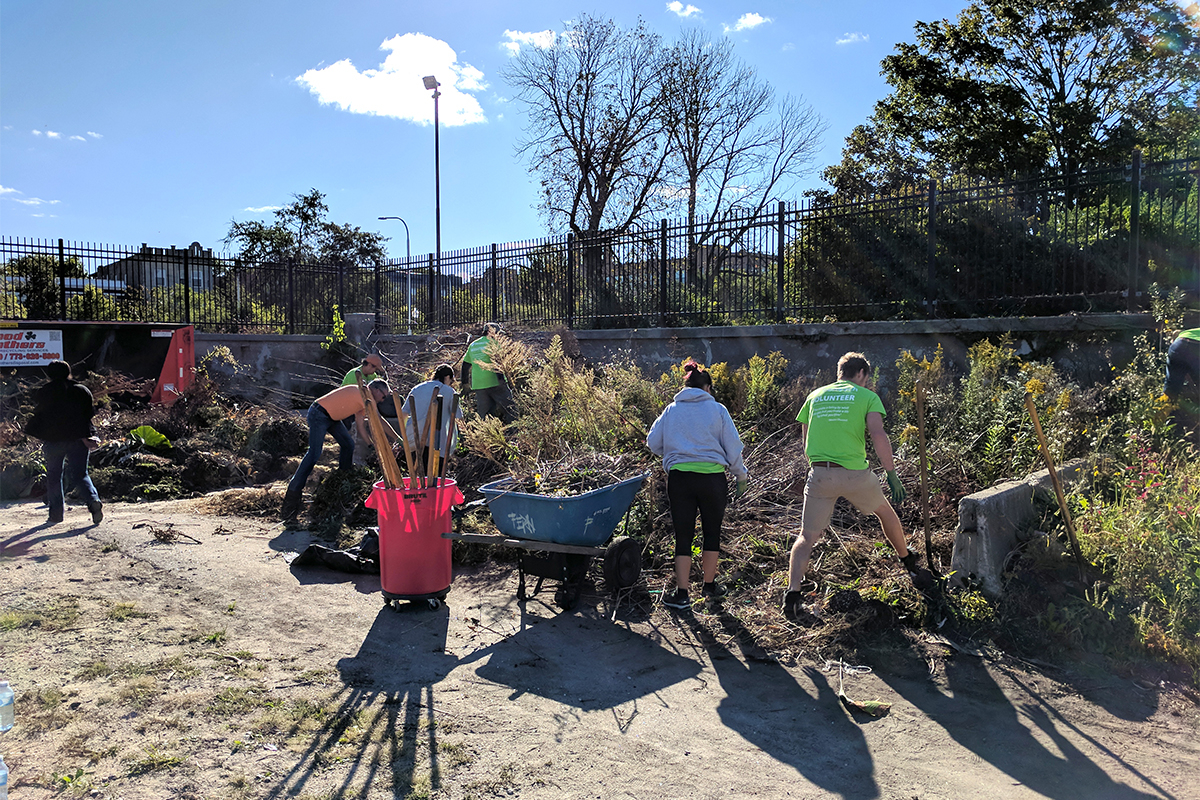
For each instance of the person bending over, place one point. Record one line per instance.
(325, 415)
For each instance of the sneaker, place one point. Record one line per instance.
(97, 510)
(714, 591)
(55, 518)
(677, 599)
(795, 611)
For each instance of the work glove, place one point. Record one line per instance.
(896, 487)
(742, 485)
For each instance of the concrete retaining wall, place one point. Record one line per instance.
(992, 523)
(1084, 346)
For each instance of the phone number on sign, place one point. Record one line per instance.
(38, 356)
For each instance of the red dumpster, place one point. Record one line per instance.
(414, 559)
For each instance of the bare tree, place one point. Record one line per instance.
(732, 147)
(594, 133)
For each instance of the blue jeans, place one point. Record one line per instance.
(75, 453)
(319, 424)
(1183, 359)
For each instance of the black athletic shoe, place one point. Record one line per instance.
(677, 599)
(714, 591)
(795, 611)
(97, 510)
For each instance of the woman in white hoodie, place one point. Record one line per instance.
(698, 441)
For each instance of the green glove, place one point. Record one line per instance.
(742, 485)
(896, 487)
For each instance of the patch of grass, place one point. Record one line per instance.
(119, 612)
(54, 617)
(94, 671)
(232, 607)
(153, 759)
(216, 638)
(139, 691)
(111, 547)
(454, 754)
(240, 700)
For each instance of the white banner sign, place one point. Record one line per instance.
(29, 348)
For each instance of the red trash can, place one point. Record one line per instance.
(414, 559)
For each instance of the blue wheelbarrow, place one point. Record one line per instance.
(559, 536)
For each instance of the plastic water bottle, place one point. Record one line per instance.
(6, 706)
(3, 780)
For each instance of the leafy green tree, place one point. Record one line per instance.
(91, 304)
(38, 284)
(1024, 86)
(301, 233)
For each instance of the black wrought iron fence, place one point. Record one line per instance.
(1087, 241)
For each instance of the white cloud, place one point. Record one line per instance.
(539, 39)
(36, 201)
(78, 139)
(8, 190)
(53, 135)
(261, 209)
(788, 46)
(49, 216)
(853, 38)
(95, 135)
(395, 89)
(681, 10)
(37, 133)
(748, 22)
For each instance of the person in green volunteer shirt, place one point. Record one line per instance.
(1183, 360)
(369, 369)
(834, 422)
(492, 395)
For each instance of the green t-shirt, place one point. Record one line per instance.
(1190, 333)
(836, 416)
(481, 378)
(351, 380)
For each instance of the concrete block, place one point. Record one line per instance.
(992, 523)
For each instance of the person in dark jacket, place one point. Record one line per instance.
(63, 421)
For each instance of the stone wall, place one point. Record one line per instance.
(1084, 346)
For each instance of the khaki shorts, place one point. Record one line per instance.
(826, 484)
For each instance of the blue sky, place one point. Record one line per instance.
(159, 122)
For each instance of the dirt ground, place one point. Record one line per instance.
(211, 669)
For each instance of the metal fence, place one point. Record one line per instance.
(1087, 241)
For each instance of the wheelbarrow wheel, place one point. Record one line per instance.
(622, 563)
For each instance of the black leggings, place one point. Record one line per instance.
(692, 491)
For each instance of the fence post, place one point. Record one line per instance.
(1135, 218)
(432, 316)
(931, 254)
(62, 281)
(495, 306)
(662, 275)
(570, 280)
(779, 259)
(341, 275)
(291, 309)
(377, 331)
(187, 289)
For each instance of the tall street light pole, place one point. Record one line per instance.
(407, 270)
(431, 83)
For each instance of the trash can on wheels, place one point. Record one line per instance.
(414, 559)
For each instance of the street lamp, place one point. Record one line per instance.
(432, 83)
(407, 269)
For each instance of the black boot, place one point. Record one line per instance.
(291, 505)
(922, 578)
